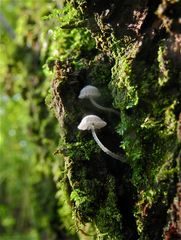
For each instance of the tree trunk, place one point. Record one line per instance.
(136, 66)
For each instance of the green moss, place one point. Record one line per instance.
(163, 64)
(132, 87)
(122, 85)
(81, 149)
(144, 203)
(148, 128)
(108, 217)
(143, 92)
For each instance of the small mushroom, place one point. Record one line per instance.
(92, 122)
(91, 93)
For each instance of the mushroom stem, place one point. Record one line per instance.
(104, 149)
(103, 108)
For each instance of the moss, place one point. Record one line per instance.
(148, 128)
(123, 89)
(108, 217)
(63, 198)
(163, 65)
(141, 84)
(139, 125)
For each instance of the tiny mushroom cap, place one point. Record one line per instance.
(90, 121)
(89, 91)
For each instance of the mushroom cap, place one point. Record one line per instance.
(90, 121)
(89, 91)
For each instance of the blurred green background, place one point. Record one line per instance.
(29, 172)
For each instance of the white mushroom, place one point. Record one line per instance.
(92, 122)
(89, 91)
(92, 92)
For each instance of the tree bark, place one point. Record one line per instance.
(136, 66)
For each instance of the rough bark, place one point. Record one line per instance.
(136, 65)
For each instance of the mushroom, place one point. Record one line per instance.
(91, 93)
(92, 122)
